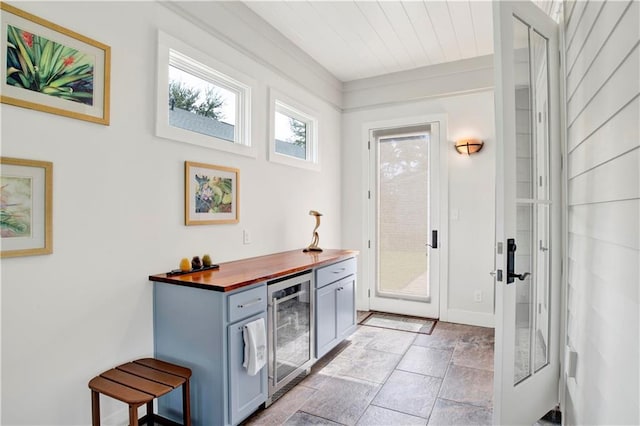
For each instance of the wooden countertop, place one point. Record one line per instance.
(240, 273)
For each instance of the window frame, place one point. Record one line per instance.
(175, 53)
(279, 102)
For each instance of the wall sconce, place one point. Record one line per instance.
(469, 146)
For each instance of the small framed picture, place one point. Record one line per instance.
(50, 68)
(26, 204)
(211, 194)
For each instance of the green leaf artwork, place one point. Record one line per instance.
(15, 206)
(213, 194)
(41, 65)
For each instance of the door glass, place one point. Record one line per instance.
(532, 200)
(525, 169)
(539, 49)
(403, 218)
(292, 329)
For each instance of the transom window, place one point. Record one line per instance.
(294, 134)
(198, 103)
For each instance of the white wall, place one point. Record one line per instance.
(603, 143)
(118, 210)
(471, 179)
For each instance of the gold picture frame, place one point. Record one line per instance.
(26, 205)
(49, 68)
(212, 194)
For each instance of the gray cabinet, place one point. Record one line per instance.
(246, 393)
(202, 330)
(335, 304)
(346, 307)
(326, 330)
(199, 325)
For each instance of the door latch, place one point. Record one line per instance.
(497, 274)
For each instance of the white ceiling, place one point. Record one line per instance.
(359, 39)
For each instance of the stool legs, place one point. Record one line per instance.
(150, 415)
(95, 408)
(133, 415)
(186, 404)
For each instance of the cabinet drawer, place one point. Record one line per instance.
(337, 271)
(247, 303)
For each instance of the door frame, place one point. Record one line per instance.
(367, 256)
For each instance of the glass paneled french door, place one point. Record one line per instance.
(528, 176)
(404, 202)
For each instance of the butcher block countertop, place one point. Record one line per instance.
(241, 273)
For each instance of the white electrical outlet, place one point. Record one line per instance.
(246, 238)
(477, 296)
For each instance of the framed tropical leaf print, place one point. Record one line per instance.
(49, 68)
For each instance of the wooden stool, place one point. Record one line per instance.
(140, 382)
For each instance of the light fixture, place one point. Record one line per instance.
(469, 146)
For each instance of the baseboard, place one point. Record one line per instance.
(481, 319)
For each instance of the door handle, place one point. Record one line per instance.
(511, 262)
(434, 239)
(521, 277)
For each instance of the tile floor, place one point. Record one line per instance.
(388, 377)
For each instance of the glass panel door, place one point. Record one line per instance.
(404, 162)
(403, 216)
(528, 215)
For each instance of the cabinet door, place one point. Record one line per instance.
(326, 331)
(345, 307)
(246, 393)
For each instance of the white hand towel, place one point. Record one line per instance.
(255, 346)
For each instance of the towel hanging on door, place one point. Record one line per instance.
(255, 346)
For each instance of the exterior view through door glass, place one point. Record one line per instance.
(404, 173)
(527, 214)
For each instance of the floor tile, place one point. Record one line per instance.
(319, 374)
(301, 418)
(387, 377)
(464, 332)
(409, 393)
(342, 400)
(283, 408)
(378, 416)
(363, 363)
(453, 413)
(437, 340)
(474, 355)
(428, 361)
(364, 335)
(468, 385)
(316, 379)
(451, 327)
(479, 335)
(392, 341)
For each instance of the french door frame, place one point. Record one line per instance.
(438, 290)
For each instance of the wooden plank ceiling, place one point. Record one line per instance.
(359, 39)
